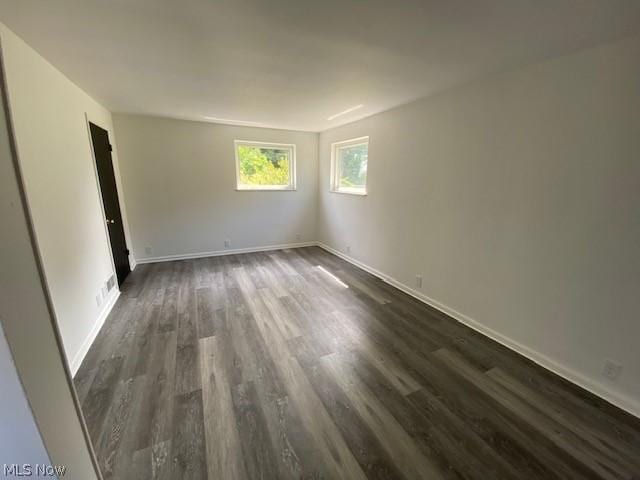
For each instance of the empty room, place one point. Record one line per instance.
(291, 239)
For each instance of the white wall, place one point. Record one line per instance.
(518, 200)
(179, 181)
(20, 440)
(55, 154)
(52, 414)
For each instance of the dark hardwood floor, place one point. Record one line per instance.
(295, 364)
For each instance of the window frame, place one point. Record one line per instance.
(335, 168)
(291, 186)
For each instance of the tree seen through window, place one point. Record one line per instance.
(260, 166)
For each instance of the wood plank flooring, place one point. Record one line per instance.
(296, 364)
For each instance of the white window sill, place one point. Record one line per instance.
(266, 189)
(346, 192)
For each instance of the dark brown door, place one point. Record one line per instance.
(113, 216)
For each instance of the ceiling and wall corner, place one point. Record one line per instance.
(294, 64)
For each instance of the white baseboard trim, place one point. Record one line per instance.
(218, 253)
(108, 306)
(623, 402)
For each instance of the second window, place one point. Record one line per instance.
(349, 166)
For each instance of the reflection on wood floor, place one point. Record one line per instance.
(295, 364)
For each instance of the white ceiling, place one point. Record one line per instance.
(295, 63)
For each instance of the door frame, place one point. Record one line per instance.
(116, 174)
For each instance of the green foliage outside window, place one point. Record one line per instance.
(263, 166)
(353, 166)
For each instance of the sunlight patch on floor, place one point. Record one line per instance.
(327, 272)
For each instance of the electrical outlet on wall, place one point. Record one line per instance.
(227, 243)
(418, 281)
(148, 250)
(611, 369)
(99, 299)
(298, 237)
(348, 248)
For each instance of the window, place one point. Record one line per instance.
(349, 166)
(265, 166)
